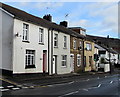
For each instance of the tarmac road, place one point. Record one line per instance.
(105, 86)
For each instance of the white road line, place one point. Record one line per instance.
(24, 87)
(99, 85)
(71, 82)
(15, 88)
(85, 89)
(10, 86)
(111, 82)
(105, 76)
(4, 90)
(19, 85)
(71, 93)
(87, 79)
(1, 87)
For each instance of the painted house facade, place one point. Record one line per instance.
(32, 44)
(24, 44)
(76, 50)
(89, 55)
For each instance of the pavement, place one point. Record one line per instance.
(42, 80)
(32, 81)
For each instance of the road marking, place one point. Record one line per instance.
(85, 89)
(87, 79)
(19, 85)
(10, 86)
(4, 90)
(1, 87)
(111, 82)
(99, 85)
(24, 87)
(71, 93)
(15, 88)
(98, 78)
(105, 76)
(8, 81)
(71, 82)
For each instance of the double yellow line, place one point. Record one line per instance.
(8, 81)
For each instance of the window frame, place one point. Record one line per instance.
(74, 44)
(64, 61)
(25, 32)
(78, 60)
(88, 46)
(56, 40)
(41, 33)
(30, 59)
(65, 42)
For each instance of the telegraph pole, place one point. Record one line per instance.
(109, 55)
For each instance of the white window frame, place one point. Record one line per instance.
(41, 35)
(25, 32)
(65, 41)
(56, 40)
(88, 46)
(78, 60)
(64, 61)
(30, 55)
(74, 43)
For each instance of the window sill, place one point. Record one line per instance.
(64, 66)
(55, 46)
(26, 41)
(41, 43)
(65, 48)
(29, 66)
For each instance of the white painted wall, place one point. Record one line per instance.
(6, 43)
(20, 48)
(61, 51)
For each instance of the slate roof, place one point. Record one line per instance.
(22, 15)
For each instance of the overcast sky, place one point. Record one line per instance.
(98, 18)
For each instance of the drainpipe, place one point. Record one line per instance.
(52, 51)
(83, 69)
(48, 52)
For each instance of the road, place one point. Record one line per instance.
(107, 85)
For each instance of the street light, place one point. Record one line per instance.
(109, 55)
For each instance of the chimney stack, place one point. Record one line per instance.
(48, 17)
(64, 23)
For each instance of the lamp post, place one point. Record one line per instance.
(109, 55)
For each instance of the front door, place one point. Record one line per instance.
(53, 68)
(44, 61)
(72, 63)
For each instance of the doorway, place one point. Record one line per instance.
(71, 62)
(54, 65)
(44, 61)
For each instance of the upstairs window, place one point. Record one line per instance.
(55, 40)
(25, 32)
(65, 42)
(41, 35)
(88, 46)
(74, 44)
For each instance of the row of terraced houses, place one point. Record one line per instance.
(31, 44)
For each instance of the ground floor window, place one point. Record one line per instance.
(30, 59)
(64, 60)
(78, 60)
